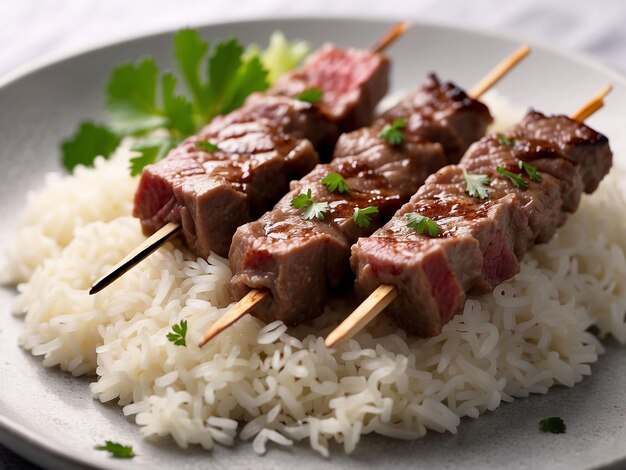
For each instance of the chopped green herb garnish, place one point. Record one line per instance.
(555, 425)
(311, 95)
(117, 450)
(392, 133)
(422, 224)
(179, 334)
(362, 218)
(312, 209)
(141, 99)
(316, 210)
(531, 171)
(335, 182)
(207, 146)
(517, 180)
(302, 200)
(504, 140)
(476, 185)
(151, 150)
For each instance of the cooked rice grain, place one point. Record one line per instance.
(283, 384)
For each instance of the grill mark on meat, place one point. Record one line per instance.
(482, 241)
(301, 261)
(263, 145)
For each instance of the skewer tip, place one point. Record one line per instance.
(499, 71)
(390, 37)
(593, 105)
(141, 252)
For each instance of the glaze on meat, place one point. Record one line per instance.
(272, 139)
(481, 241)
(301, 261)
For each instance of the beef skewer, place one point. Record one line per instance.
(484, 237)
(240, 164)
(441, 122)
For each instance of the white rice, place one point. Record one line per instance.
(274, 385)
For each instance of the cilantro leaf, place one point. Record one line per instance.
(207, 146)
(504, 140)
(131, 98)
(517, 180)
(311, 95)
(335, 182)
(311, 208)
(222, 69)
(140, 99)
(250, 78)
(230, 77)
(392, 133)
(476, 185)
(316, 210)
(116, 450)
(362, 218)
(90, 141)
(302, 200)
(177, 109)
(422, 224)
(555, 425)
(151, 149)
(179, 333)
(189, 52)
(531, 171)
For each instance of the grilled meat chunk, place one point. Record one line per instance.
(481, 241)
(300, 261)
(271, 140)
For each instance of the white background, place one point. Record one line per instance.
(34, 30)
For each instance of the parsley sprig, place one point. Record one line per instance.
(422, 224)
(504, 140)
(116, 450)
(362, 217)
(517, 180)
(141, 99)
(311, 95)
(335, 182)
(392, 132)
(531, 171)
(207, 146)
(312, 209)
(555, 425)
(178, 336)
(476, 185)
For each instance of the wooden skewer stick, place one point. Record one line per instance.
(166, 232)
(499, 71)
(384, 294)
(171, 230)
(390, 37)
(363, 315)
(593, 105)
(239, 310)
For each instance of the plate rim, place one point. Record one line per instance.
(38, 64)
(34, 448)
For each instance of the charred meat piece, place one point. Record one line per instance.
(271, 140)
(481, 241)
(299, 261)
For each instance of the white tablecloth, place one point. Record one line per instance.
(32, 30)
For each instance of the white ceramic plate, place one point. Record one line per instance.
(50, 418)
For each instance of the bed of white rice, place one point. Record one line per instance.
(267, 383)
